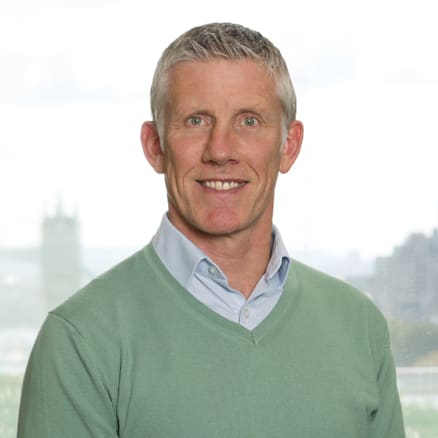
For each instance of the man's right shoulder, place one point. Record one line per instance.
(113, 292)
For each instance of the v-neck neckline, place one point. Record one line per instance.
(221, 324)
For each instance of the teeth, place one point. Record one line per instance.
(219, 185)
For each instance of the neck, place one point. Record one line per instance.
(243, 261)
(243, 255)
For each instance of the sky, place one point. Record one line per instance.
(74, 90)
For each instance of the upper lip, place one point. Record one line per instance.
(223, 180)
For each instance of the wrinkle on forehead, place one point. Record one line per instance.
(227, 89)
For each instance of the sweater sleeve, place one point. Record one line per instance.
(387, 419)
(63, 394)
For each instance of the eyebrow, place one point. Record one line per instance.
(183, 114)
(258, 109)
(252, 109)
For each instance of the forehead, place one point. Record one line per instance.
(219, 81)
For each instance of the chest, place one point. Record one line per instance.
(296, 385)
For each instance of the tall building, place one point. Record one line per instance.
(60, 257)
(405, 284)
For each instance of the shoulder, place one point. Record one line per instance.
(324, 287)
(334, 300)
(111, 296)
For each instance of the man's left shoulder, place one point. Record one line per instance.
(333, 294)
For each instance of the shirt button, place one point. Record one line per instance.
(212, 271)
(246, 313)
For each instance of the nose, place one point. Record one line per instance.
(220, 147)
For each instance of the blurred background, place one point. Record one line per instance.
(361, 203)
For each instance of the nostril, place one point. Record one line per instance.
(219, 154)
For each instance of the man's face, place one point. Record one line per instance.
(222, 135)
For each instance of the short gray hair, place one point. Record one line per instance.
(226, 41)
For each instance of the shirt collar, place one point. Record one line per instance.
(280, 260)
(182, 257)
(179, 254)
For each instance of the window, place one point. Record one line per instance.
(360, 203)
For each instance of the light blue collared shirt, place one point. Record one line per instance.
(201, 277)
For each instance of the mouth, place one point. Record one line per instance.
(221, 185)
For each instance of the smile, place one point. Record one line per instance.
(222, 185)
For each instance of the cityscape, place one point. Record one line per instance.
(403, 284)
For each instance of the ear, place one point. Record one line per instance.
(291, 146)
(151, 146)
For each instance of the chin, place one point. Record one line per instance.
(220, 226)
(217, 223)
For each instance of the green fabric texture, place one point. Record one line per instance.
(134, 355)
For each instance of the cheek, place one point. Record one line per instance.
(178, 171)
(184, 150)
(271, 170)
(187, 139)
(266, 158)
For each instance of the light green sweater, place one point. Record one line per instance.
(134, 355)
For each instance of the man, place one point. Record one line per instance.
(212, 330)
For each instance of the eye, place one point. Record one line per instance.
(195, 121)
(250, 121)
